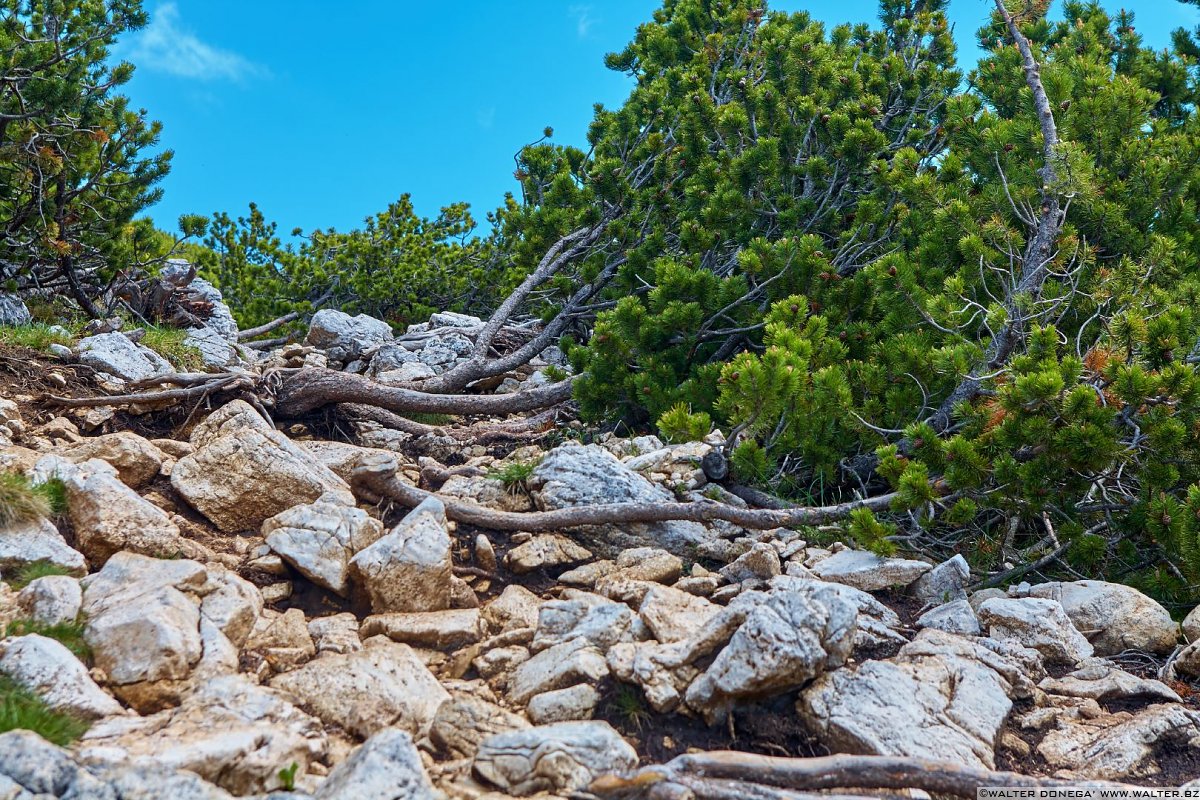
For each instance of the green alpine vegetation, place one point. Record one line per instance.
(21, 709)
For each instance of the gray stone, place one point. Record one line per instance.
(408, 569)
(51, 600)
(944, 583)
(954, 617)
(563, 757)
(345, 337)
(29, 542)
(575, 475)
(1036, 623)
(866, 571)
(52, 672)
(320, 538)
(1114, 617)
(114, 354)
(562, 705)
(13, 311)
(386, 767)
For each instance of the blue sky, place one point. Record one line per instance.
(325, 116)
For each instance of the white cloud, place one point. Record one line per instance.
(165, 45)
(583, 19)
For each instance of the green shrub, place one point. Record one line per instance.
(21, 709)
(679, 425)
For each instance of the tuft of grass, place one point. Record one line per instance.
(32, 571)
(37, 336)
(55, 492)
(629, 706)
(21, 709)
(514, 475)
(21, 501)
(68, 634)
(170, 344)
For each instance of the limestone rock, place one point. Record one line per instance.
(320, 538)
(945, 583)
(283, 639)
(248, 474)
(337, 633)
(1100, 680)
(386, 767)
(760, 562)
(343, 458)
(562, 705)
(1037, 623)
(114, 354)
(581, 615)
(408, 569)
(143, 618)
(233, 605)
(136, 460)
(382, 686)
(546, 551)
(30, 542)
(943, 698)
(953, 617)
(573, 475)
(228, 731)
(438, 630)
(516, 607)
(672, 615)
(52, 672)
(489, 492)
(344, 337)
(1114, 617)
(573, 661)
(465, 720)
(51, 600)
(1122, 745)
(563, 757)
(866, 571)
(12, 310)
(109, 517)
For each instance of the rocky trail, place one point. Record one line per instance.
(288, 592)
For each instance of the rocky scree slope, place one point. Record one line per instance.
(260, 623)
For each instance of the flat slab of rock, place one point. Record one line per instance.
(136, 460)
(573, 474)
(382, 686)
(563, 757)
(439, 630)
(544, 551)
(1122, 745)
(465, 720)
(866, 571)
(116, 355)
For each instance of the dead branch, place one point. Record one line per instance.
(378, 476)
(305, 390)
(226, 383)
(828, 772)
(251, 333)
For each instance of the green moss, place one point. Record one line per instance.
(37, 336)
(170, 343)
(68, 634)
(20, 709)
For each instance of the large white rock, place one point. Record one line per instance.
(344, 337)
(52, 672)
(243, 471)
(945, 583)
(51, 600)
(566, 664)
(582, 615)
(408, 569)
(136, 460)
(1122, 745)
(12, 310)
(109, 517)
(466, 719)
(573, 474)
(35, 541)
(560, 758)
(943, 697)
(228, 731)
(866, 571)
(382, 686)
(1036, 623)
(320, 538)
(1114, 617)
(116, 355)
(233, 605)
(386, 767)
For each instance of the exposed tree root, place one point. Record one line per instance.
(524, 429)
(721, 774)
(378, 477)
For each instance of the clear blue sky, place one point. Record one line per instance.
(323, 113)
